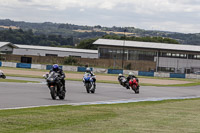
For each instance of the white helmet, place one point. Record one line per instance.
(130, 74)
(88, 69)
(120, 74)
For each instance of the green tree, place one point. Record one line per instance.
(87, 44)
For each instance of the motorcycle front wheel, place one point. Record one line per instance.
(135, 89)
(53, 93)
(87, 86)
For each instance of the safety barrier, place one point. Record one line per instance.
(128, 71)
(70, 68)
(142, 73)
(23, 65)
(115, 71)
(9, 64)
(38, 66)
(161, 74)
(100, 70)
(177, 75)
(83, 69)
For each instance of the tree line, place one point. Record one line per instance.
(20, 36)
(87, 43)
(29, 38)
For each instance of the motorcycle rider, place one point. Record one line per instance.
(88, 70)
(120, 76)
(131, 76)
(57, 69)
(2, 75)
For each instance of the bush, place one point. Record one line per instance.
(70, 61)
(128, 67)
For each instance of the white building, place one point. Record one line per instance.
(7, 47)
(16, 49)
(168, 57)
(54, 51)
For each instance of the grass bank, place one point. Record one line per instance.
(171, 116)
(17, 81)
(195, 81)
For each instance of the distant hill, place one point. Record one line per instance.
(78, 32)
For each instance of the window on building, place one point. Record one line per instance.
(128, 54)
(173, 55)
(74, 56)
(51, 55)
(26, 60)
(141, 55)
(166, 69)
(194, 56)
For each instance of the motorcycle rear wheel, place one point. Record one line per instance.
(4, 76)
(93, 90)
(62, 95)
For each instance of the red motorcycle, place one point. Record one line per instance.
(133, 83)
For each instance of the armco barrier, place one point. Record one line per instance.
(191, 76)
(161, 74)
(49, 67)
(9, 64)
(177, 75)
(115, 71)
(142, 73)
(83, 69)
(128, 71)
(23, 65)
(100, 70)
(38, 66)
(70, 68)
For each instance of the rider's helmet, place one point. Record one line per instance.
(88, 70)
(120, 75)
(55, 67)
(130, 74)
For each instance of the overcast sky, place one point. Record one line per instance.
(168, 15)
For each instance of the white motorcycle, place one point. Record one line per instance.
(2, 75)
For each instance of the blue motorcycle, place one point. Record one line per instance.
(88, 83)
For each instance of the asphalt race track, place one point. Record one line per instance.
(24, 95)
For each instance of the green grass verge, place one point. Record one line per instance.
(149, 77)
(196, 82)
(25, 76)
(17, 81)
(171, 116)
(173, 85)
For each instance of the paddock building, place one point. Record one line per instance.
(176, 58)
(29, 50)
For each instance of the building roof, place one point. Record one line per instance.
(7, 43)
(147, 45)
(56, 49)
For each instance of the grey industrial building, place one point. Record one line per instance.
(7, 47)
(16, 49)
(168, 57)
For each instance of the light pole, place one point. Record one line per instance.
(123, 49)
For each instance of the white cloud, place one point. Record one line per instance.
(82, 10)
(171, 15)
